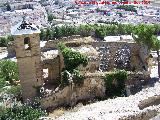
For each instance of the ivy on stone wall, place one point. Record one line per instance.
(115, 83)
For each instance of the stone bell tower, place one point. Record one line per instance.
(27, 47)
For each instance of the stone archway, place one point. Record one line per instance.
(122, 58)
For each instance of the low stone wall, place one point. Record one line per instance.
(93, 87)
(138, 77)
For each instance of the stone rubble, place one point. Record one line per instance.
(120, 108)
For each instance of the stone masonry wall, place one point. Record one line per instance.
(29, 64)
(93, 87)
(54, 69)
(70, 95)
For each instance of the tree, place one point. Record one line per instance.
(146, 35)
(5, 40)
(42, 35)
(156, 47)
(9, 70)
(48, 34)
(51, 17)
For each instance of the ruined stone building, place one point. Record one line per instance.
(113, 52)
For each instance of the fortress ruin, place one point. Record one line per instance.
(120, 52)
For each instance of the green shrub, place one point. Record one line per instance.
(15, 90)
(9, 70)
(5, 40)
(2, 82)
(72, 59)
(21, 113)
(115, 83)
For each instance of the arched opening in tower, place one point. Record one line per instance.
(27, 44)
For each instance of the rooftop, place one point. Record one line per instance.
(24, 28)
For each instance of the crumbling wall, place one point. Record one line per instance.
(54, 69)
(72, 41)
(136, 61)
(93, 87)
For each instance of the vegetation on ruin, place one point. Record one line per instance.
(15, 90)
(75, 77)
(78, 78)
(64, 78)
(115, 83)
(23, 112)
(72, 60)
(8, 77)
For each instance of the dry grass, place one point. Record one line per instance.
(58, 112)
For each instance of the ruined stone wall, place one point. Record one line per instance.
(93, 87)
(54, 69)
(72, 41)
(93, 66)
(136, 61)
(53, 43)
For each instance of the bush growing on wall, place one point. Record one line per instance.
(72, 59)
(75, 77)
(115, 83)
